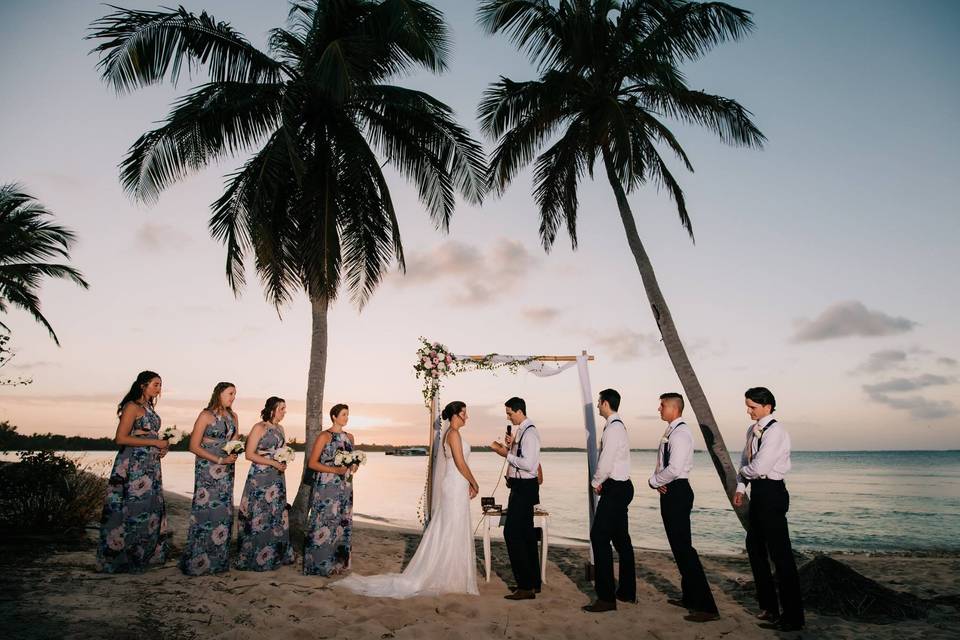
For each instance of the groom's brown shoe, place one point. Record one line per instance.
(521, 594)
(702, 616)
(600, 606)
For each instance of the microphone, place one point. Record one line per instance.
(509, 428)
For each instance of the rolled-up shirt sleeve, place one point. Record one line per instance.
(681, 448)
(530, 459)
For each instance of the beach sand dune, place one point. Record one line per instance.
(53, 592)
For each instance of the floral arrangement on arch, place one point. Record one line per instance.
(434, 361)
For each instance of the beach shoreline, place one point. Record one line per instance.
(53, 591)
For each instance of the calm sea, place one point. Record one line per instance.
(876, 500)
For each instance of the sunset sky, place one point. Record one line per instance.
(824, 268)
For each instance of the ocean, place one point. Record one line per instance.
(839, 501)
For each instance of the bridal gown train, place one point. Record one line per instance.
(445, 561)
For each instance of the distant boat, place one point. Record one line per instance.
(408, 451)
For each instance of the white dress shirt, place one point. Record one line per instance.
(771, 460)
(524, 466)
(680, 443)
(614, 459)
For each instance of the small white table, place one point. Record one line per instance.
(541, 519)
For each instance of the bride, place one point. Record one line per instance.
(445, 561)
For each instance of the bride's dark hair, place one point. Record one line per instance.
(452, 409)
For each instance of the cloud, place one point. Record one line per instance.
(851, 318)
(481, 275)
(918, 407)
(32, 365)
(541, 315)
(899, 385)
(159, 237)
(947, 362)
(627, 344)
(883, 361)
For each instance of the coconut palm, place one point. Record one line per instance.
(28, 239)
(609, 78)
(321, 118)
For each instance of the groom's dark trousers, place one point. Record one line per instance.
(767, 533)
(675, 507)
(610, 525)
(519, 534)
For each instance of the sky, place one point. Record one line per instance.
(824, 266)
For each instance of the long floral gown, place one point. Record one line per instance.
(133, 527)
(263, 535)
(330, 521)
(211, 517)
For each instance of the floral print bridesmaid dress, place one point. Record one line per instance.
(326, 549)
(263, 535)
(211, 517)
(133, 527)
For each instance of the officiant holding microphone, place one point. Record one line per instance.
(521, 448)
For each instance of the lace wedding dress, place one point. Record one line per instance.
(445, 561)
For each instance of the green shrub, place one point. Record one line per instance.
(48, 493)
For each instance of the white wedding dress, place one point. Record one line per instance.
(445, 561)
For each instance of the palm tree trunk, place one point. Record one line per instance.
(678, 355)
(314, 424)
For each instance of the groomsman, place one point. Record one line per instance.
(670, 479)
(522, 452)
(763, 465)
(611, 482)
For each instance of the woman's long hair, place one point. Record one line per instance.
(136, 389)
(214, 403)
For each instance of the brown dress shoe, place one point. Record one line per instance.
(701, 616)
(521, 594)
(600, 606)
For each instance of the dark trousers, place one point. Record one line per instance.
(675, 507)
(767, 535)
(610, 526)
(519, 534)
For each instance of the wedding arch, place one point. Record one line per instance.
(435, 362)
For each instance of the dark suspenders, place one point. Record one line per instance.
(666, 446)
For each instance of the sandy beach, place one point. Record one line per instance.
(52, 591)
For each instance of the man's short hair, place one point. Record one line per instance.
(516, 404)
(676, 398)
(762, 396)
(611, 397)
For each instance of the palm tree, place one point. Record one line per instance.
(608, 77)
(311, 204)
(28, 239)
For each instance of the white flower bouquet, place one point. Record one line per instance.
(171, 435)
(433, 360)
(286, 454)
(349, 458)
(234, 447)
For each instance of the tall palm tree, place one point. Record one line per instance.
(608, 78)
(312, 204)
(28, 239)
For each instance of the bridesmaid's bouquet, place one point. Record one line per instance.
(285, 455)
(171, 435)
(349, 459)
(234, 446)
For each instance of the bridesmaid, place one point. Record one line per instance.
(326, 549)
(133, 527)
(211, 518)
(264, 522)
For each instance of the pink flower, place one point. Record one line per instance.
(335, 508)
(153, 522)
(123, 467)
(115, 539)
(243, 505)
(264, 555)
(259, 522)
(272, 493)
(449, 359)
(200, 563)
(321, 535)
(202, 497)
(217, 471)
(220, 534)
(140, 486)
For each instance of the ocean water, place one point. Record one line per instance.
(857, 501)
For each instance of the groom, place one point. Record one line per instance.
(522, 451)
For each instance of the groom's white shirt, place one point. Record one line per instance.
(614, 459)
(524, 467)
(771, 460)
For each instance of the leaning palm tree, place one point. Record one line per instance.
(312, 204)
(28, 239)
(608, 78)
